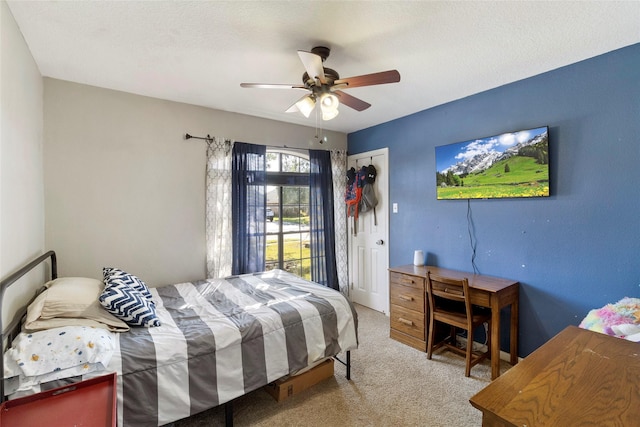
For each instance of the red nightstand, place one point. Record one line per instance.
(86, 403)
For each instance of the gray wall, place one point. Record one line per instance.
(21, 184)
(124, 188)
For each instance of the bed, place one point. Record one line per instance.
(218, 339)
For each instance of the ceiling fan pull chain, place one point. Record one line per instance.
(317, 121)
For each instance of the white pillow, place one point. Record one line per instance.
(71, 301)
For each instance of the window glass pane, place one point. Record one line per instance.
(273, 161)
(290, 163)
(273, 203)
(272, 251)
(305, 166)
(288, 214)
(297, 255)
(295, 207)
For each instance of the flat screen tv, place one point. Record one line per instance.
(514, 164)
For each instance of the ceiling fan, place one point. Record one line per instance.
(325, 85)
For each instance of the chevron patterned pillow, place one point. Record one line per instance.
(125, 302)
(133, 281)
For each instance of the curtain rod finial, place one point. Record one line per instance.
(187, 136)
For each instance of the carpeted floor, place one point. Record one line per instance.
(391, 385)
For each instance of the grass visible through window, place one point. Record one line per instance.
(296, 257)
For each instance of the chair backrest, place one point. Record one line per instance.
(449, 289)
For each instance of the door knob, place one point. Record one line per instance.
(380, 242)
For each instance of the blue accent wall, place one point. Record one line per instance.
(574, 251)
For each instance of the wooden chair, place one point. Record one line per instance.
(450, 303)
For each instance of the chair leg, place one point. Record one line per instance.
(488, 329)
(430, 338)
(467, 371)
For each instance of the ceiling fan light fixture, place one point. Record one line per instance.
(306, 105)
(329, 100)
(329, 104)
(328, 115)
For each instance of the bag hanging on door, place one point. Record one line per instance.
(368, 201)
(368, 198)
(353, 191)
(371, 174)
(353, 194)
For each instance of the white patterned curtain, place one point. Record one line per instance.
(339, 172)
(218, 208)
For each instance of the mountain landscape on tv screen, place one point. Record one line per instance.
(509, 165)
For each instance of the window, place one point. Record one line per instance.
(287, 243)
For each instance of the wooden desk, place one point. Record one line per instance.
(486, 291)
(578, 378)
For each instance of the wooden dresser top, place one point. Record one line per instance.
(578, 378)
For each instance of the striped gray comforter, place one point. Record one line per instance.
(222, 338)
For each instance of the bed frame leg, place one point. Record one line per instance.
(228, 414)
(346, 363)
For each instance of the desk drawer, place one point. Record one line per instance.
(407, 280)
(456, 291)
(407, 321)
(407, 297)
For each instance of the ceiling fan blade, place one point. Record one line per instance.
(351, 101)
(313, 65)
(391, 76)
(271, 86)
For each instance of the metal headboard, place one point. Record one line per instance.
(15, 323)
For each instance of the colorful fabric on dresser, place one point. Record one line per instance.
(621, 319)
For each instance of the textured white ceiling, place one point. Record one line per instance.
(198, 52)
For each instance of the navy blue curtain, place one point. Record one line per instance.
(322, 230)
(249, 199)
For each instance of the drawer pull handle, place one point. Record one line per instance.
(405, 297)
(405, 321)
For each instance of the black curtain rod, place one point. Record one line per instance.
(207, 138)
